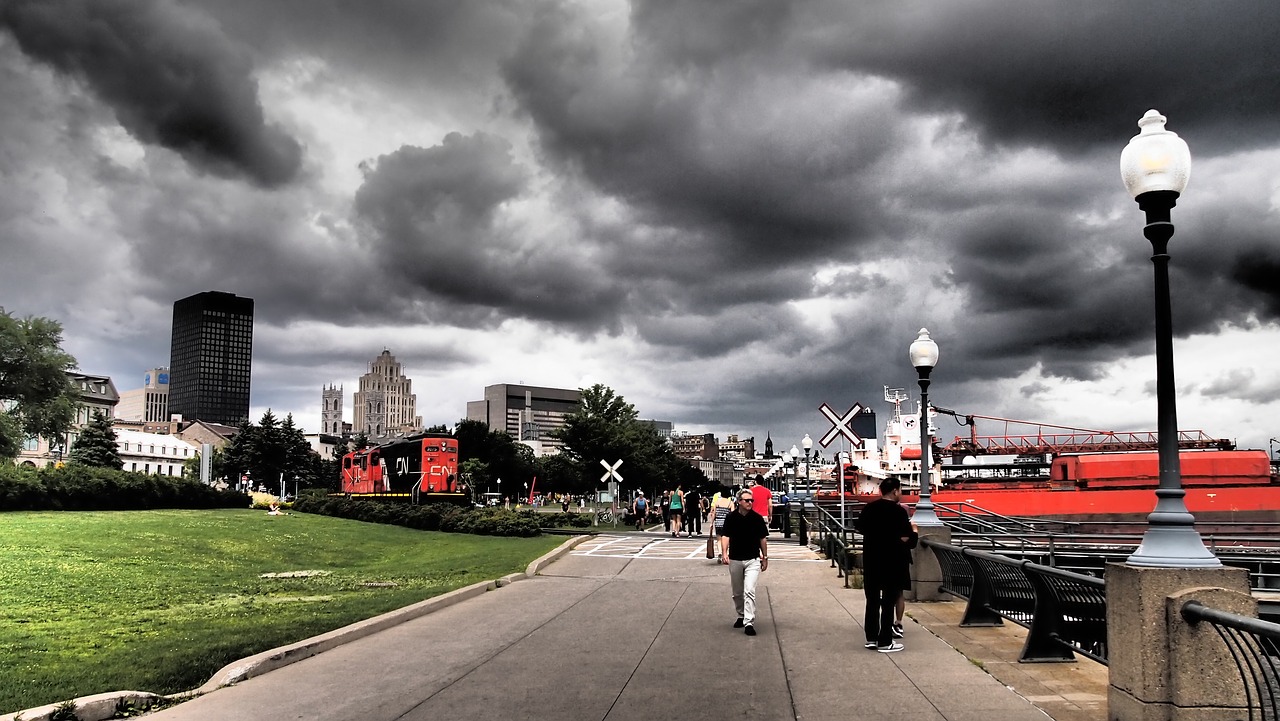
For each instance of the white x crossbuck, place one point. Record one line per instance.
(840, 425)
(611, 471)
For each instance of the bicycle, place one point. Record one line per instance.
(604, 515)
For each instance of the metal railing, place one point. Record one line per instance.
(1255, 648)
(1065, 613)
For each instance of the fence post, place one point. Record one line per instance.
(1201, 670)
(1156, 666)
(926, 571)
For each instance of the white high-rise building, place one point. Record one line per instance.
(150, 403)
(385, 405)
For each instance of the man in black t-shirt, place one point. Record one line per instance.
(886, 532)
(744, 546)
(693, 512)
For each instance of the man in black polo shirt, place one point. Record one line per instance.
(886, 534)
(744, 546)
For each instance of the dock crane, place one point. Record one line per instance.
(1057, 439)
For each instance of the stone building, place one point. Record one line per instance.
(700, 447)
(385, 406)
(96, 394)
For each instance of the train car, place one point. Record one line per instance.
(418, 469)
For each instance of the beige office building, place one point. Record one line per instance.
(385, 406)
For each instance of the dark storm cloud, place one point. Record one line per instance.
(417, 46)
(1070, 74)
(171, 75)
(760, 165)
(434, 227)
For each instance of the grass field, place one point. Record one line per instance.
(160, 600)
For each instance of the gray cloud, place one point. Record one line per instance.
(171, 76)
(1069, 75)
(753, 205)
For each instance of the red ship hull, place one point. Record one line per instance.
(1219, 486)
(1221, 503)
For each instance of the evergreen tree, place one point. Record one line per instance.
(267, 457)
(236, 455)
(300, 466)
(36, 396)
(96, 445)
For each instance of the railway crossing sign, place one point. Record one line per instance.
(840, 425)
(611, 471)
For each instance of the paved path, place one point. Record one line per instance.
(637, 627)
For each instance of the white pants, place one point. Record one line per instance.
(743, 575)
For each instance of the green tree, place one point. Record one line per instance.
(36, 396)
(96, 444)
(274, 450)
(236, 454)
(606, 428)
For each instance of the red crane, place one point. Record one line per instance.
(1056, 439)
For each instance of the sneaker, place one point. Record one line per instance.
(749, 630)
(738, 623)
(870, 645)
(897, 630)
(891, 648)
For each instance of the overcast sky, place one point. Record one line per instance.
(729, 212)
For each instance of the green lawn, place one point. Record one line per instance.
(160, 600)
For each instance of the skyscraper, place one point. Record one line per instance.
(385, 405)
(150, 403)
(210, 357)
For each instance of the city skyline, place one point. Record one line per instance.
(730, 214)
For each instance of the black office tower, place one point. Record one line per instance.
(210, 358)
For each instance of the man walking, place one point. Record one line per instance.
(744, 545)
(886, 533)
(639, 509)
(762, 499)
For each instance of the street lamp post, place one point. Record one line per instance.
(924, 356)
(795, 467)
(1156, 165)
(808, 447)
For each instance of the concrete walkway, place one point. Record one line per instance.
(634, 628)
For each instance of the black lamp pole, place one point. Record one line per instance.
(924, 356)
(1150, 166)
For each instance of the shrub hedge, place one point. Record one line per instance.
(441, 516)
(75, 487)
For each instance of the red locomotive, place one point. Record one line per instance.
(420, 469)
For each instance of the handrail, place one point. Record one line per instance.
(1065, 613)
(1254, 645)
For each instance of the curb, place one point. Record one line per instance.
(99, 707)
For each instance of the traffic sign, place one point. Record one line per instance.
(611, 471)
(840, 425)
